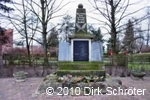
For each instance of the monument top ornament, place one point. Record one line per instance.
(80, 6)
(81, 25)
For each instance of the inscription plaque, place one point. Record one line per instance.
(81, 51)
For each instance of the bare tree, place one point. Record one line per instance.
(47, 11)
(22, 22)
(148, 31)
(114, 12)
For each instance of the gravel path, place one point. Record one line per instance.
(10, 90)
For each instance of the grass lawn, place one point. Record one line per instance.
(135, 61)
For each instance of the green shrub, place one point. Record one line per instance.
(53, 63)
(121, 60)
(139, 58)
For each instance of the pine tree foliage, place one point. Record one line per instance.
(128, 40)
(3, 6)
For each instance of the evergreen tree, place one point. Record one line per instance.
(3, 38)
(4, 7)
(53, 39)
(128, 40)
(97, 35)
(67, 28)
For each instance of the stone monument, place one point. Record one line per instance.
(80, 47)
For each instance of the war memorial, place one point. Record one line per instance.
(80, 46)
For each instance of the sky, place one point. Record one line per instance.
(73, 6)
(89, 10)
(71, 10)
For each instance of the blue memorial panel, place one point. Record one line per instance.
(64, 51)
(96, 51)
(81, 51)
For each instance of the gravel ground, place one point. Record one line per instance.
(11, 90)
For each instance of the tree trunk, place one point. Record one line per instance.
(45, 50)
(45, 54)
(44, 30)
(1, 59)
(148, 38)
(29, 54)
(27, 43)
(113, 32)
(26, 33)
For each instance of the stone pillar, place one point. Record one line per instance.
(81, 25)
